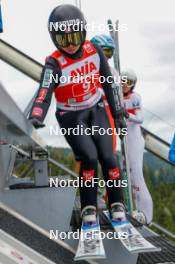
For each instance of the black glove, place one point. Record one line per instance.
(37, 123)
(120, 123)
(125, 113)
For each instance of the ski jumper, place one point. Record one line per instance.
(142, 196)
(80, 104)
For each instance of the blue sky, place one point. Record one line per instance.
(147, 46)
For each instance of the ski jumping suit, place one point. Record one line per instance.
(172, 151)
(135, 152)
(80, 104)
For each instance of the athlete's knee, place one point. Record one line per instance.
(109, 161)
(89, 161)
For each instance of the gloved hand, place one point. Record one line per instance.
(120, 123)
(37, 123)
(125, 113)
(121, 113)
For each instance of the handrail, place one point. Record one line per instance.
(20, 61)
(164, 230)
(15, 128)
(156, 145)
(63, 167)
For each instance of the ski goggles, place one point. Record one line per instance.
(108, 52)
(130, 83)
(73, 38)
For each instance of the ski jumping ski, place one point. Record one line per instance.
(134, 242)
(119, 94)
(90, 244)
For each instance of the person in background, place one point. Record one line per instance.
(132, 102)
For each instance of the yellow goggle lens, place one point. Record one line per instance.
(74, 38)
(108, 52)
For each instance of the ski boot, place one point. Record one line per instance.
(89, 215)
(140, 217)
(117, 212)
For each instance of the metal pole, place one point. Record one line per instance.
(164, 230)
(80, 4)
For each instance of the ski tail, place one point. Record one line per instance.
(90, 244)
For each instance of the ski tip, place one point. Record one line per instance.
(146, 250)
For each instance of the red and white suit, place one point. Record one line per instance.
(142, 196)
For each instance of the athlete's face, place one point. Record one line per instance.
(126, 88)
(71, 49)
(108, 52)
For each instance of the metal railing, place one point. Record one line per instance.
(163, 230)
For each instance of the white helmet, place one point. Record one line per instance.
(130, 77)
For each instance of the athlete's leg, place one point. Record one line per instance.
(141, 194)
(106, 154)
(83, 146)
